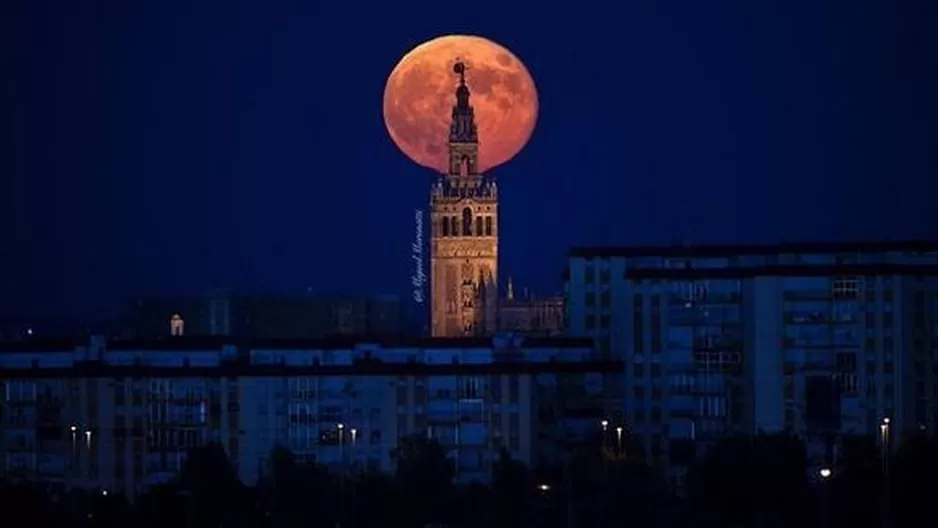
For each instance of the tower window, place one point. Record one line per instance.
(478, 226)
(445, 225)
(488, 226)
(464, 167)
(467, 222)
(453, 226)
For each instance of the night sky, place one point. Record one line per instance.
(172, 146)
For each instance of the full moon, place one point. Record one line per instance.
(420, 94)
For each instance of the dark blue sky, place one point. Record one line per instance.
(177, 146)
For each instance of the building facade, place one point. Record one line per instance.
(531, 315)
(824, 340)
(464, 233)
(121, 415)
(266, 316)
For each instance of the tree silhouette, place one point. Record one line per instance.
(913, 476)
(513, 488)
(374, 501)
(424, 478)
(162, 505)
(635, 491)
(758, 480)
(855, 487)
(300, 494)
(31, 505)
(217, 496)
(472, 505)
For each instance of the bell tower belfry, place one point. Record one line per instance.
(464, 239)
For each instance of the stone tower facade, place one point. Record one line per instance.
(464, 239)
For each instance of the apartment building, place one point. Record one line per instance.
(820, 339)
(121, 415)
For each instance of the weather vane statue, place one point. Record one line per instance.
(460, 69)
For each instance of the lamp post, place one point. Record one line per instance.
(619, 439)
(543, 504)
(604, 424)
(74, 453)
(825, 474)
(884, 428)
(341, 430)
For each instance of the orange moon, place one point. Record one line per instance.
(421, 91)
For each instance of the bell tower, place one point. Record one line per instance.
(464, 233)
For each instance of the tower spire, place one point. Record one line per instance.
(463, 126)
(464, 246)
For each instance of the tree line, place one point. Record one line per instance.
(756, 481)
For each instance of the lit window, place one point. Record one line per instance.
(846, 287)
(176, 325)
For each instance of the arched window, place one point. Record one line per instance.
(478, 226)
(464, 166)
(488, 226)
(453, 226)
(467, 222)
(444, 223)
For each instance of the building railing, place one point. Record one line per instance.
(239, 368)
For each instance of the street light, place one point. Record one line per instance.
(88, 438)
(884, 495)
(605, 424)
(825, 473)
(619, 437)
(544, 487)
(884, 433)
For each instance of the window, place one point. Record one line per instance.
(638, 333)
(887, 319)
(467, 222)
(445, 225)
(488, 226)
(655, 333)
(176, 325)
(478, 226)
(605, 299)
(846, 288)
